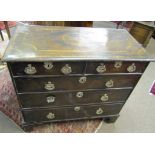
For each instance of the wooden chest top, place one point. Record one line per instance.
(51, 43)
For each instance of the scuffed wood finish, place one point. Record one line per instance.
(40, 115)
(70, 98)
(18, 68)
(72, 82)
(110, 67)
(80, 67)
(52, 43)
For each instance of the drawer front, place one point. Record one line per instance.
(74, 98)
(47, 68)
(115, 67)
(72, 83)
(77, 112)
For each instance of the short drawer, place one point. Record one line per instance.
(115, 67)
(65, 113)
(74, 98)
(74, 83)
(46, 68)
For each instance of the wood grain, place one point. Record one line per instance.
(40, 115)
(70, 99)
(65, 83)
(52, 43)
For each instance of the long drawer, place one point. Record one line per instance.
(73, 98)
(76, 112)
(46, 84)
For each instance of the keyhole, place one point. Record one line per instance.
(48, 65)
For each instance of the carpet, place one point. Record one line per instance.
(9, 106)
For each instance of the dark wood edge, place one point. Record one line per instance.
(52, 121)
(70, 106)
(85, 68)
(70, 91)
(111, 119)
(57, 59)
(73, 75)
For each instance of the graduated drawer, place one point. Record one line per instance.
(46, 84)
(65, 113)
(46, 68)
(73, 98)
(115, 67)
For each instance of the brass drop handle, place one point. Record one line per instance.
(50, 99)
(30, 69)
(101, 68)
(109, 83)
(66, 69)
(131, 68)
(50, 115)
(48, 65)
(76, 108)
(82, 79)
(105, 97)
(49, 86)
(79, 94)
(99, 111)
(118, 64)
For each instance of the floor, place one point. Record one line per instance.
(137, 115)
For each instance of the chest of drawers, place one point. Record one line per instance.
(65, 73)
